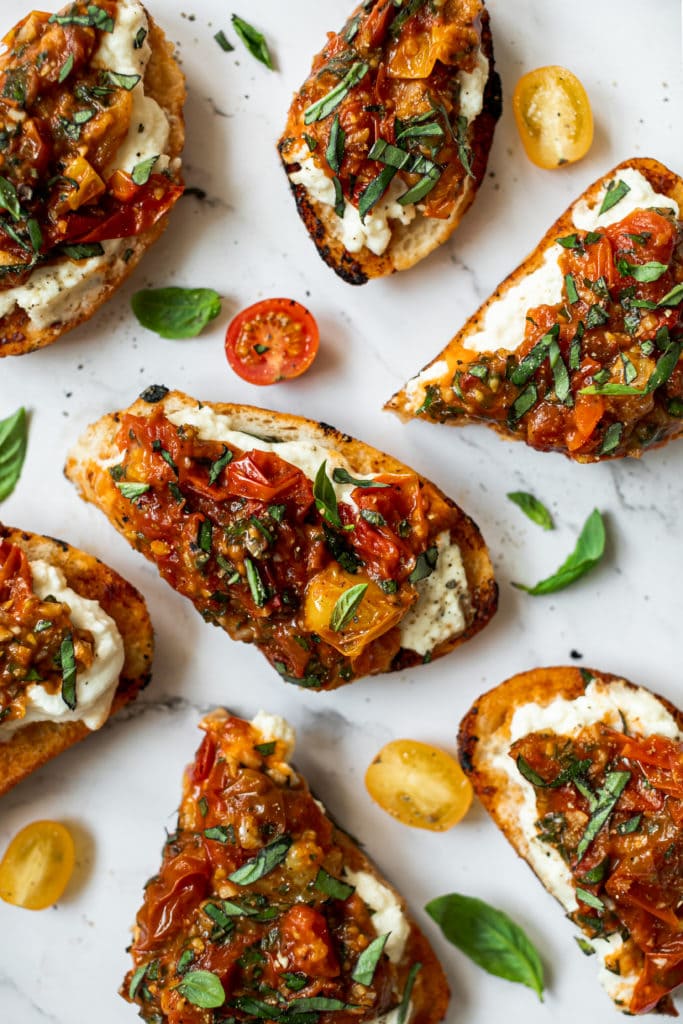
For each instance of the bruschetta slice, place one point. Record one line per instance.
(264, 909)
(579, 350)
(336, 560)
(91, 132)
(387, 140)
(583, 772)
(76, 645)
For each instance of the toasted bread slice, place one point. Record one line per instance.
(453, 86)
(583, 772)
(79, 298)
(269, 905)
(269, 564)
(31, 745)
(575, 351)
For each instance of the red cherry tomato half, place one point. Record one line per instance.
(273, 340)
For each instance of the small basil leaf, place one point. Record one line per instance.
(142, 172)
(265, 861)
(366, 964)
(254, 41)
(607, 799)
(13, 442)
(331, 886)
(329, 103)
(325, 497)
(616, 190)
(425, 565)
(489, 938)
(176, 312)
(674, 297)
(532, 508)
(342, 476)
(346, 606)
(133, 490)
(590, 547)
(67, 660)
(223, 41)
(203, 989)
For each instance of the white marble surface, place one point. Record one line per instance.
(118, 791)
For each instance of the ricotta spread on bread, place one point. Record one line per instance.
(54, 293)
(96, 686)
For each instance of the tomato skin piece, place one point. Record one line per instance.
(37, 865)
(553, 116)
(273, 340)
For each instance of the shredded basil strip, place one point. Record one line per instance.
(489, 938)
(265, 861)
(404, 1007)
(589, 898)
(346, 607)
(570, 285)
(67, 661)
(532, 508)
(607, 799)
(373, 192)
(674, 297)
(142, 172)
(612, 438)
(219, 465)
(95, 17)
(335, 148)
(254, 41)
(325, 497)
(366, 964)
(534, 359)
(13, 443)
(590, 547)
(331, 886)
(666, 364)
(526, 401)
(525, 769)
(83, 251)
(223, 41)
(127, 82)
(399, 21)
(329, 103)
(425, 565)
(616, 190)
(66, 69)
(9, 200)
(258, 591)
(342, 476)
(560, 372)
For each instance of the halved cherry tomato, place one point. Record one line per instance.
(553, 115)
(420, 785)
(273, 340)
(37, 865)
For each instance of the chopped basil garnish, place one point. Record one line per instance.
(560, 372)
(372, 517)
(203, 989)
(166, 456)
(534, 359)
(83, 251)
(203, 805)
(339, 201)
(221, 833)
(525, 769)
(263, 863)
(596, 317)
(532, 508)
(132, 491)
(643, 272)
(127, 82)
(41, 625)
(666, 364)
(258, 591)
(366, 964)
(254, 41)
(585, 946)
(329, 103)
(342, 476)
(219, 465)
(611, 389)
(489, 938)
(154, 393)
(310, 142)
(373, 192)
(176, 313)
(632, 825)
(589, 898)
(526, 401)
(596, 874)
(9, 200)
(346, 607)
(569, 242)
(142, 172)
(325, 497)
(294, 982)
(67, 661)
(590, 547)
(612, 438)
(308, 682)
(411, 8)
(66, 68)
(13, 442)
(425, 565)
(674, 297)
(616, 190)
(94, 17)
(570, 285)
(335, 149)
(140, 37)
(266, 749)
(607, 799)
(223, 41)
(332, 886)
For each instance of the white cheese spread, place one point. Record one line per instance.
(274, 727)
(53, 294)
(95, 688)
(388, 917)
(443, 607)
(472, 86)
(641, 196)
(646, 716)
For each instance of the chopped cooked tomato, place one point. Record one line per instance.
(553, 115)
(273, 340)
(264, 476)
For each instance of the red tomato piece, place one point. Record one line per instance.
(276, 339)
(264, 476)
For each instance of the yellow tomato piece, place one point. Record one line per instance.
(37, 865)
(373, 616)
(419, 784)
(90, 185)
(554, 117)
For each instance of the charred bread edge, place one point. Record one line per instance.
(34, 744)
(662, 180)
(164, 82)
(96, 443)
(358, 268)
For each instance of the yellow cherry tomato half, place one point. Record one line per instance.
(419, 785)
(554, 117)
(37, 865)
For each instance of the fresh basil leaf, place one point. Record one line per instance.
(265, 749)
(294, 982)
(616, 190)
(421, 189)
(135, 981)
(534, 359)
(325, 497)
(666, 364)
(95, 17)
(525, 769)
(319, 1004)
(569, 242)
(632, 825)
(329, 103)
(346, 606)
(66, 69)
(532, 508)
(373, 192)
(83, 251)
(13, 443)
(339, 201)
(258, 591)
(342, 476)
(560, 372)
(607, 799)
(411, 8)
(332, 886)
(133, 490)
(611, 389)
(219, 465)
(223, 41)
(334, 153)
(585, 946)
(425, 565)
(523, 404)
(489, 938)
(67, 661)
(220, 834)
(590, 547)
(254, 41)
(366, 964)
(127, 82)
(589, 898)
(203, 989)
(265, 861)
(404, 1007)
(643, 272)
(9, 200)
(570, 285)
(674, 297)
(176, 313)
(142, 172)
(612, 438)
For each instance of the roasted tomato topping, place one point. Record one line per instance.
(612, 805)
(271, 555)
(387, 104)
(599, 375)
(252, 914)
(62, 121)
(38, 641)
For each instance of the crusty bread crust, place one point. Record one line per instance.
(485, 732)
(459, 356)
(412, 242)
(83, 468)
(164, 82)
(34, 744)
